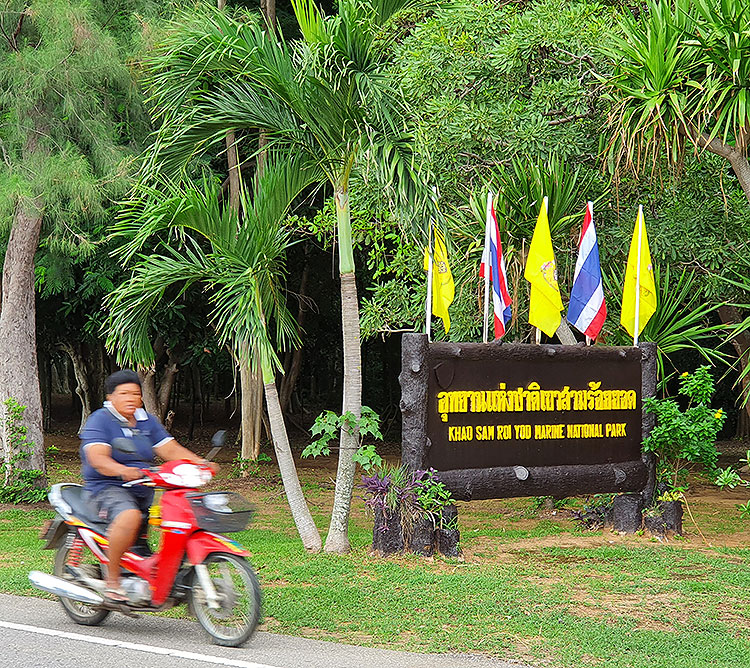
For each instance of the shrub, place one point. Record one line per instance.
(21, 485)
(683, 439)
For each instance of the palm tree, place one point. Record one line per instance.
(325, 100)
(242, 273)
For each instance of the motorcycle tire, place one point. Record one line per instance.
(238, 590)
(80, 613)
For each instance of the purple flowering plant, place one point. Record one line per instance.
(414, 494)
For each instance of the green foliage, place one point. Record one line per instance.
(367, 457)
(433, 497)
(485, 81)
(684, 438)
(681, 75)
(244, 466)
(731, 478)
(328, 426)
(681, 321)
(21, 485)
(242, 268)
(70, 114)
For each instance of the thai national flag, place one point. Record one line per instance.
(587, 310)
(493, 256)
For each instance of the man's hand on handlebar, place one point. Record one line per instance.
(212, 465)
(131, 473)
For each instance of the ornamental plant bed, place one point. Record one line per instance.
(412, 510)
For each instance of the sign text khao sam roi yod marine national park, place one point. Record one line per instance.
(513, 419)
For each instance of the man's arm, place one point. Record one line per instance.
(99, 456)
(173, 450)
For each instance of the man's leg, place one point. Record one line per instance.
(121, 534)
(122, 508)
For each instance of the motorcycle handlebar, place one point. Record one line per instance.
(140, 481)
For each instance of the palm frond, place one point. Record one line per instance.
(132, 304)
(681, 321)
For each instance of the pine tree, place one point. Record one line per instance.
(69, 110)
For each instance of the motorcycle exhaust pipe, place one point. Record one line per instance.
(64, 588)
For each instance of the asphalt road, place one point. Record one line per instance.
(36, 633)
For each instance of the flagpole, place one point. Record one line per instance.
(428, 314)
(487, 265)
(590, 209)
(639, 222)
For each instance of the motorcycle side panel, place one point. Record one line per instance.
(203, 543)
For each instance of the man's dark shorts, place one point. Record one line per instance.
(112, 501)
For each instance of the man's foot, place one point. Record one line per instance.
(115, 595)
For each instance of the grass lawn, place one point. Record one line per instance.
(532, 586)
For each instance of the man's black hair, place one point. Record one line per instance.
(120, 378)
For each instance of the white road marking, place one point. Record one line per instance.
(206, 658)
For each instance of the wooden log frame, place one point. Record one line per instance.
(513, 481)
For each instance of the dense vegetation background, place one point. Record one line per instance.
(512, 96)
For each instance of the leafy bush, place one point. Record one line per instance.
(328, 425)
(412, 494)
(244, 466)
(731, 478)
(20, 485)
(684, 439)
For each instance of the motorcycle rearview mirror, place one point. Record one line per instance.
(124, 445)
(217, 440)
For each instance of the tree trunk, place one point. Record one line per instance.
(168, 377)
(251, 409)
(45, 385)
(730, 315)
(292, 371)
(308, 532)
(251, 383)
(97, 372)
(737, 159)
(338, 531)
(148, 389)
(82, 379)
(19, 376)
(268, 7)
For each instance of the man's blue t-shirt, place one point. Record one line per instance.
(104, 426)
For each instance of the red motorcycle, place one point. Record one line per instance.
(194, 562)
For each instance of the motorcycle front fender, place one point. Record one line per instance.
(203, 543)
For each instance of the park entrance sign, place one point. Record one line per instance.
(502, 420)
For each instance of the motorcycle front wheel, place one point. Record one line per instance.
(238, 591)
(80, 613)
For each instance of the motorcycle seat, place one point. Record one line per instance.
(83, 505)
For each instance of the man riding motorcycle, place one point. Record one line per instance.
(105, 468)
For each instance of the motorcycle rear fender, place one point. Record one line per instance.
(204, 543)
(53, 534)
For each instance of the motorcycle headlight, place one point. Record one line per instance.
(187, 475)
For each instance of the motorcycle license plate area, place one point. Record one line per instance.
(221, 512)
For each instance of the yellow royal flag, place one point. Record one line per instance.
(647, 287)
(541, 271)
(443, 289)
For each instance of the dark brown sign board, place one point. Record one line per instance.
(500, 420)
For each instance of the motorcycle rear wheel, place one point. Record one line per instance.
(79, 612)
(238, 590)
